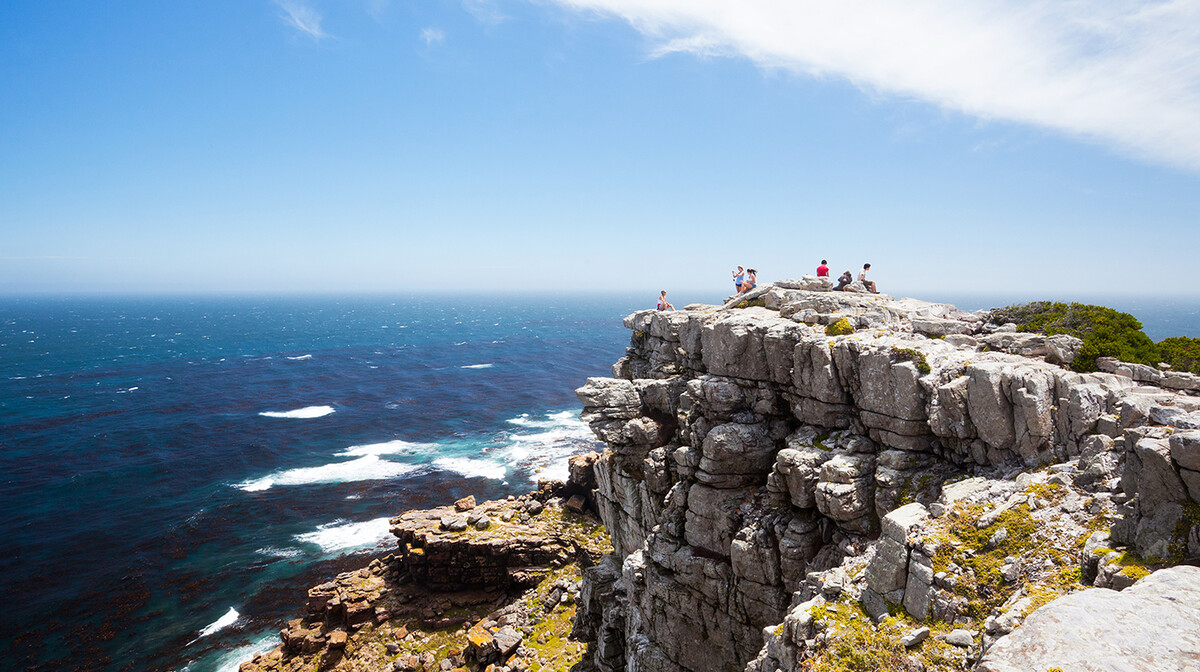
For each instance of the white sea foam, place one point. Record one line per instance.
(546, 454)
(340, 536)
(303, 413)
(230, 661)
(394, 447)
(472, 467)
(478, 366)
(540, 448)
(276, 552)
(300, 358)
(366, 468)
(223, 622)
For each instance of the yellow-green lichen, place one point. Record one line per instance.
(915, 356)
(854, 643)
(840, 328)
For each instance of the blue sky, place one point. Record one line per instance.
(597, 145)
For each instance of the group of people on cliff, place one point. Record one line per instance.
(746, 279)
(846, 278)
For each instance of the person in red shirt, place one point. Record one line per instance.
(823, 270)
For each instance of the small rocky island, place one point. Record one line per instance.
(813, 480)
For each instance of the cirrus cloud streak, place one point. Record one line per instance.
(1125, 73)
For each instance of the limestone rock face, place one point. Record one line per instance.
(1153, 626)
(752, 459)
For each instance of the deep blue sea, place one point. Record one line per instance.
(177, 471)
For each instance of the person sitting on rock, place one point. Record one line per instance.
(750, 282)
(663, 304)
(862, 277)
(823, 270)
(844, 280)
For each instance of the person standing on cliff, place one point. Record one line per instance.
(823, 270)
(738, 275)
(862, 277)
(663, 304)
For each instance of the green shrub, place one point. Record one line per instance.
(915, 356)
(1181, 352)
(1105, 332)
(839, 328)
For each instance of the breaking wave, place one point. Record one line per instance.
(340, 535)
(365, 468)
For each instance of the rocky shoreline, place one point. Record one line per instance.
(815, 480)
(470, 585)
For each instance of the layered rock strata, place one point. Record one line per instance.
(470, 586)
(751, 456)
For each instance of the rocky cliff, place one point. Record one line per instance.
(804, 478)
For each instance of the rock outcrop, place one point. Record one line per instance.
(756, 463)
(492, 585)
(1155, 623)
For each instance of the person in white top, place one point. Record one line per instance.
(862, 277)
(663, 304)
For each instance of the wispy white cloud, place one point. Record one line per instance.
(377, 8)
(432, 35)
(302, 17)
(1124, 73)
(484, 11)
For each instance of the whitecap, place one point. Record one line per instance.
(478, 366)
(341, 536)
(275, 552)
(524, 420)
(366, 468)
(223, 622)
(300, 358)
(394, 447)
(471, 467)
(304, 413)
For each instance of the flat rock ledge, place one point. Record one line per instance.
(1153, 626)
(470, 586)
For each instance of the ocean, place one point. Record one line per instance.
(177, 471)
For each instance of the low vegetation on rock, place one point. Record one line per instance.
(840, 328)
(1181, 352)
(915, 356)
(495, 596)
(1105, 332)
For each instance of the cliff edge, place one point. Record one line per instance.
(827, 480)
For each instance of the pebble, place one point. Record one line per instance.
(914, 637)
